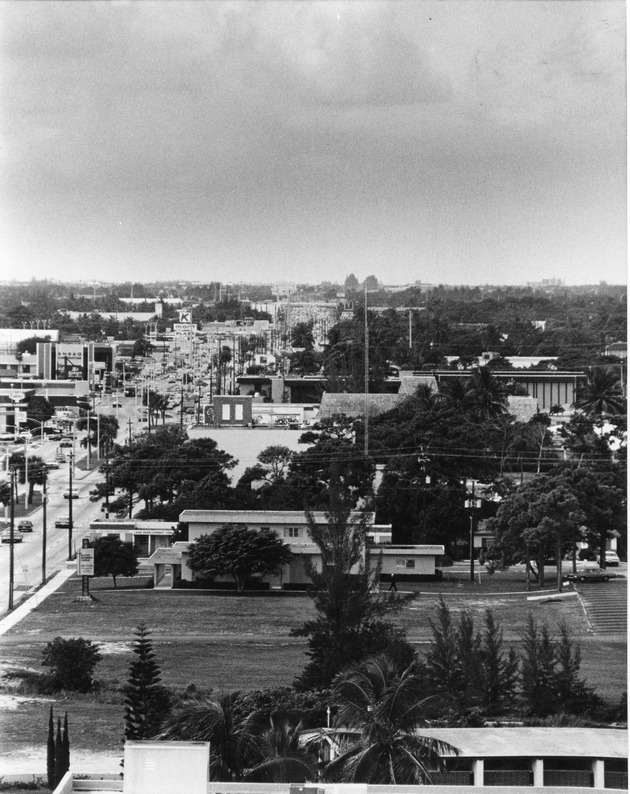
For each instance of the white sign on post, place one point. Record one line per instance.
(85, 562)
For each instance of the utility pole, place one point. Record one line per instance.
(44, 526)
(70, 470)
(25, 474)
(12, 531)
(366, 373)
(107, 467)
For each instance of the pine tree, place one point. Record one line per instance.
(571, 690)
(499, 673)
(442, 659)
(349, 625)
(65, 743)
(147, 702)
(469, 656)
(538, 665)
(59, 770)
(50, 751)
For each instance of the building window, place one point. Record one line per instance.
(405, 563)
(291, 532)
(238, 411)
(225, 412)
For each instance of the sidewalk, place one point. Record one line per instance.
(37, 595)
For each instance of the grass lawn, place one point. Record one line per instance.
(226, 642)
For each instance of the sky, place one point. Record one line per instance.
(470, 142)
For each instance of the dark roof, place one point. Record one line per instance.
(354, 404)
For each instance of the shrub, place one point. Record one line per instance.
(72, 663)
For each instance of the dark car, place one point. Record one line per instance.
(25, 525)
(590, 575)
(62, 521)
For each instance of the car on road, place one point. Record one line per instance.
(55, 436)
(612, 558)
(53, 464)
(6, 536)
(75, 494)
(24, 525)
(590, 575)
(117, 405)
(65, 442)
(62, 521)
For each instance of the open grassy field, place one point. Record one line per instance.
(226, 642)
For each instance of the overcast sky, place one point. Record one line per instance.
(449, 142)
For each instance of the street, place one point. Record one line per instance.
(28, 553)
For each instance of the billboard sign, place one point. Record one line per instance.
(85, 562)
(70, 361)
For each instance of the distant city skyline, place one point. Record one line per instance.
(463, 142)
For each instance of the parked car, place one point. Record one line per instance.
(6, 536)
(65, 442)
(612, 558)
(25, 525)
(55, 436)
(280, 421)
(75, 494)
(293, 424)
(116, 405)
(590, 575)
(62, 521)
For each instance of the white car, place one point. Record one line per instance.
(612, 558)
(75, 494)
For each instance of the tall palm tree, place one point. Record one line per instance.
(486, 395)
(601, 394)
(380, 708)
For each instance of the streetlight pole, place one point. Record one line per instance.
(70, 468)
(44, 525)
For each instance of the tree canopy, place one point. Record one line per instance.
(240, 551)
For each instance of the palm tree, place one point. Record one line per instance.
(486, 395)
(256, 747)
(233, 740)
(601, 394)
(380, 708)
(285, 758)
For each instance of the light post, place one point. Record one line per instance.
(44, 524)
(12, 537)
(70, 505)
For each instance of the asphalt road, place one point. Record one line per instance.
(28, 554)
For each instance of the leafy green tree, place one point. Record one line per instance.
(380, 708)
(239, 551)
(147, 702)
(349, 624)
(72, 663)
(29, 345)
(114, 557)
(39, 411)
